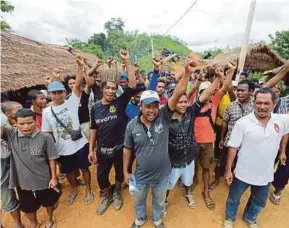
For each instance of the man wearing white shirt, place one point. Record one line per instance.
(256, 137)
(62, 121)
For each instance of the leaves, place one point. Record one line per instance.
(280, 43)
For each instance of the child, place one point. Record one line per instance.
(9, 203)
(33, 167)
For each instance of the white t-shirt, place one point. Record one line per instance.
(258, 147)
(68, 114)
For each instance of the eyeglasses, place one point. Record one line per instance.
(149, 134)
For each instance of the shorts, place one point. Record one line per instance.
(206, 154)
(187, 175)
(30, 200)
(78, 160)
(9, 202)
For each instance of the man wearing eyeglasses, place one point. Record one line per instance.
(148, 136)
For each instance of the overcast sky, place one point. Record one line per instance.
(209, 24)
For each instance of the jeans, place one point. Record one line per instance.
(159, 191)
(257, 200)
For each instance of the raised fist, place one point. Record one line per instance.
(124, 55)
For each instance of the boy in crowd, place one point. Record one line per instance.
(9, 203)
(9, 108)
(33, 167)
(39, 102)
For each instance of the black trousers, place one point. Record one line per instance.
(222, 162)
(104, 166)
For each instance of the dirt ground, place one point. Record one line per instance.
(180, 215)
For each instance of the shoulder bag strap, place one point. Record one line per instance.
(59, 121)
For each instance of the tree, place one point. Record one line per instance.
(114, 24)
(280, 43)
(99, 39)
(6, 8)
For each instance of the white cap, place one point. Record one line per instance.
(149, 97)
(235, 83)
(204, 85)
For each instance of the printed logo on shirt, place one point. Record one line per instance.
(276, 127)
(159, 128)
(106, 119)
(36, 150)
(112, 109)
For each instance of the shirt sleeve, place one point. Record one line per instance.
(128, 139)
(166, 113)
(226, 116)
(50, 148)
(286, 123)
(73, 102)
(124, 99)
(92, 118)
(237, 135)
(46, 127)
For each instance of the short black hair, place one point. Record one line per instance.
(24, 113)
(104, 84)
(68, 77)
(266, 90)
(244, 73)
(248, 82)
(34, 94)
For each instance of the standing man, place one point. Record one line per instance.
(62, 121)
(39, 102)
(257, 136)
(33, 169)
(148, 136)
(236, 110)
(108, 123)
(183, 148)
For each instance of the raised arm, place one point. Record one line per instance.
(232, 67)
(209, 91)
(182, 85)
(276, 79)
(137, 73)
(131, 77)
(79, 76)
(97, 64)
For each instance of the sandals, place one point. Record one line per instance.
(89, 198)
(72, 196)
(209, 202)
(191, 201)
(275, 199)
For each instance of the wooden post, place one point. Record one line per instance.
(243, 53)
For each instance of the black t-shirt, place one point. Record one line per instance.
(110, 120)
(96, 92)
(83, 112)
(182, 143)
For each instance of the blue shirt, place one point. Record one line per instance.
(132, 111)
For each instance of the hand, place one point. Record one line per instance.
(92, 157)
(220, 72)
(136, 67)
(114, 61)
(53, 183)
(189, 67)
(157, 63)
(48, 80)
(229, 176)
(286, 65)
(109, 60)
(80, 60)
(221, 144)
(232, 65)
(99, 62)
(56, 73)
(124, 55)
(126, 177)
(283, 158)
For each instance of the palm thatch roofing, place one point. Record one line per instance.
(26, 63)
(260, 57)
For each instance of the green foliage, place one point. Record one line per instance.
(138, 44)
(211, 53)
(6, 8)
(280, 43)
(255, 74)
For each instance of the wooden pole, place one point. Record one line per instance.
(243, 53)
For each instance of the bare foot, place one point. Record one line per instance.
(72, 196)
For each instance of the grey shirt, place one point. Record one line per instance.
(152, 158)
(30, 159)
(5, 164)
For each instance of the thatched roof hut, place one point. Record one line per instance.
(260, 57)
(26, 63)
(271, 73)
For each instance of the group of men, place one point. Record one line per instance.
(167, 126)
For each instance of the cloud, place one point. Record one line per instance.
(209, 24)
